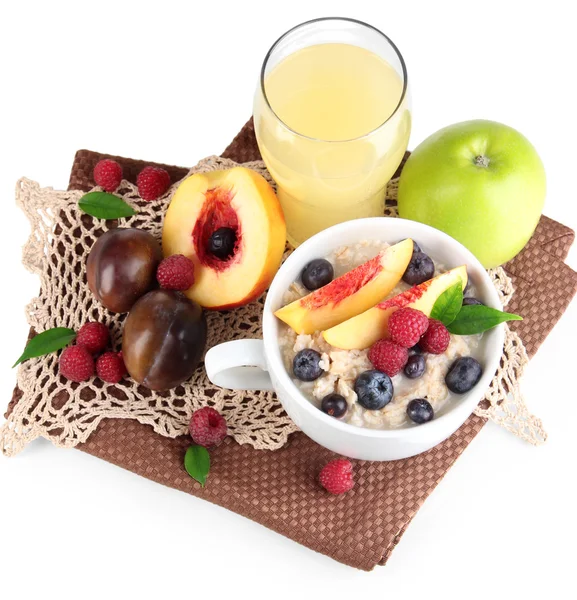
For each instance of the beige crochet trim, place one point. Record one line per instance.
(67, 413)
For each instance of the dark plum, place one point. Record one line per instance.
(164, 339)
(317, 273)
(121, 267)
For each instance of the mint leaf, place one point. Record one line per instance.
(103, 205)
(47, 342)
(197, 463)
(477, 318)
(448, 304)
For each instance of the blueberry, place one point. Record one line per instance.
(420, 411)
(334, 405)
(421, 268)
(416, 349)
(306, 365)
(374, 389)
(471, 302)
(415, 366)
(463, 375)
(317, 273)
(221, 242)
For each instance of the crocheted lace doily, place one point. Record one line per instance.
(67, 413)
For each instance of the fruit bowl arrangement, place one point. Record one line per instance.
(146, 432)
(223, 238)
(363, 380)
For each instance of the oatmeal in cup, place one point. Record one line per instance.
(353, 377)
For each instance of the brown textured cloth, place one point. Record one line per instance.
(279, 489)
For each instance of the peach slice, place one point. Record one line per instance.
(239, 199)
(365, 329)
(349, 294)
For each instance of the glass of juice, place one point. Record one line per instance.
(332, 120)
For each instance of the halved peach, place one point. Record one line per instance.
(365, 329)
(240, 200)
(350, 294)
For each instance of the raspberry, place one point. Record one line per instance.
(110, 367)
(388, 357)
(436, 339)
(108, 174)
(175, 273)
(207, 427)
(337, 476)
(93, 336)
(407, 325)
(152, 182)
(76, 364)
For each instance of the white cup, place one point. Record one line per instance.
(258, 364)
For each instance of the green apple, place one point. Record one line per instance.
(481, 182)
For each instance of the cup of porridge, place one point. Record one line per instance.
(350, 350)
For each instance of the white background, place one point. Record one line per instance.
(173, 82)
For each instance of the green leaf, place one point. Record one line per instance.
(476, 319)
(448, 304)
(197, 463)
(46, 342)
(105, 206)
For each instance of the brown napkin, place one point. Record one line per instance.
(278, 489)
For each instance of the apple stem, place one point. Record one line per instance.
(481, 161)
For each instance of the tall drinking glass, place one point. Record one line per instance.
(332, 120)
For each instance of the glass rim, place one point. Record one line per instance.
(319, 20)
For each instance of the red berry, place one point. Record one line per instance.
(436, 339)
(108, 174)
(152, 182)
(207, 427)
(388, 357)
(175, 273)
(407, 325)
(110, 367)
(76, 363)
(93, 336)
(337, 476)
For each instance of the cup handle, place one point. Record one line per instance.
(238, 365)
